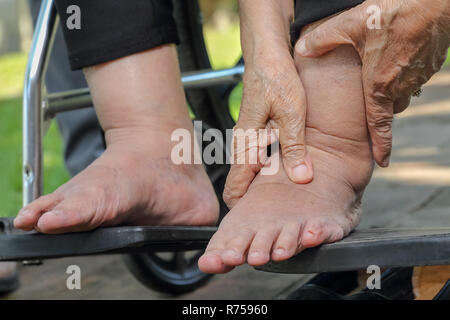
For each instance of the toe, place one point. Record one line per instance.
(30, 214)
(259, 252)
(63, 220)
(316, 232)
(74, 214)
(287, 243)
(235, 249)
(211, 262)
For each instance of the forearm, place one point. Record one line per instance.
(265, 28)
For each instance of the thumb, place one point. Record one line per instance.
(291, 126)
(332, 33)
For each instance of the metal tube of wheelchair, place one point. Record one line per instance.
(32, 117)
(81, 98)
(209, 78)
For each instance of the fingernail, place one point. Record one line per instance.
(300, 173)
(301, 48)
(385, 162)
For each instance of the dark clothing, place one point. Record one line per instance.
(309, 11)
(111, 29)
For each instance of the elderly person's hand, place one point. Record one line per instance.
(273, 94)
(400, 50)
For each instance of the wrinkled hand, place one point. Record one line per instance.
(409, 46)
(273, 98)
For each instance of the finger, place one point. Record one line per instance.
(332, 33)
(401, 104)
(245, 156)
(290, 120)
(380, 113)
(238, 180)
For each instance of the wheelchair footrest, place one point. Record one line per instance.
(16, 245)
(380, 247)
(362, 248)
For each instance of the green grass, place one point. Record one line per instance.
(224, 47)
(12, 68)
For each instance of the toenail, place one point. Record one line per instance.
(232, 253)
(19, 219)
(256, 254)
(280, 252)
(25, 213)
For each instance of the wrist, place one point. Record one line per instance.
(271, 64)
(265, 28)
(267, 51)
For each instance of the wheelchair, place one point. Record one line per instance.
(165, 258)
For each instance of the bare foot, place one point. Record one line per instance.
(133, 182)
(276, 218)
(140, 103)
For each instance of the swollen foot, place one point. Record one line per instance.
(276, 218)
(134, 182)
(140, 101)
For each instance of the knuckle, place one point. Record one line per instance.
(382, 126)
(291, 119)
(296, 150)
(380, 92)
(381, 78)
(229, 196)
(382, 136)
(317, 36)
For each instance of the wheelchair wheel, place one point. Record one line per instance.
(177, 272)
